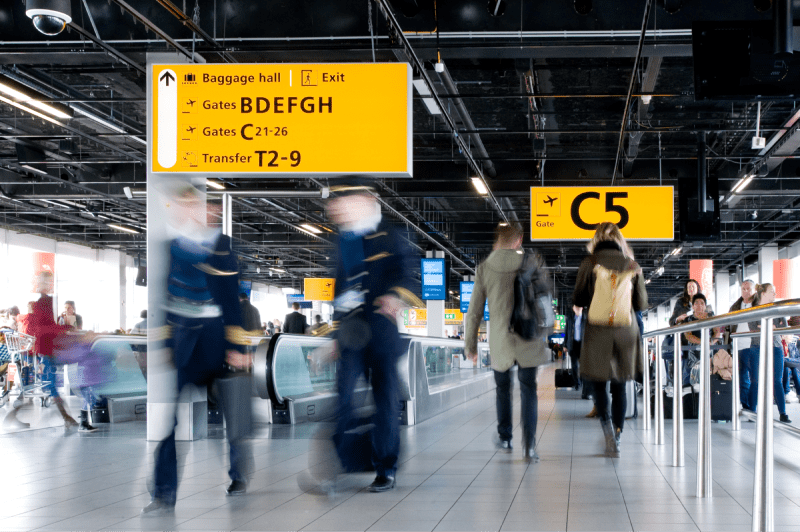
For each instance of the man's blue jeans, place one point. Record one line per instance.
(529, 400)
(753, 358)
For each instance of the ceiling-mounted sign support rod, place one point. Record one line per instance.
(702, 172)
(419, 67)
(110, 49)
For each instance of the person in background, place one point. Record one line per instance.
(251, 317)
(141, 327)
(43, 326)
(295, 322)
(319, 326)
(610, 354)
(745, 378)
(573, 338)
(69, 318)
(277, 324)
(24, 320)
(494, 282)
(765, 294)
(683, 307)
(12, 315)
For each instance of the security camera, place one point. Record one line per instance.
(49, 16)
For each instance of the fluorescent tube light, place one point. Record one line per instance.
(660, 270)
(480, 186)
(423, 91)
(33, 169)
(215, 184)
(676, 251)
(123, 228)
(29, 110)
(24, 98)
(102, 122)
(647, 281)
(742, 184)
(128, 193)
(310, 228)
(278, 270)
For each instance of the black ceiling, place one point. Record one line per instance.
(540, 70)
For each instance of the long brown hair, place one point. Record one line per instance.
(609, 232)
(685, 299)
(760, 289)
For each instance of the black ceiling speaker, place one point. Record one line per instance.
(49, 16)
(408, 8)
(696, 225)
(141, 276)
(672, 6)
(496, 8)
(582, 7)
(762, 5)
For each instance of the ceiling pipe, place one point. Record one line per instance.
(784, 27)
(155, 29)
(702, 172)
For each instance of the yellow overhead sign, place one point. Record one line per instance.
(318, 289)
(453, 316)
(573, 213)
(280, 119)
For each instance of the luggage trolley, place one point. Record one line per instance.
(19, 347)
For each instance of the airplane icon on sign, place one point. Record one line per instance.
(191, 102)
(190, 129)
(550, 200)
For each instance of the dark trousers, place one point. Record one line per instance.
(745, 378)
(753, 359)
(200, 342)
(382, 367)
(529, 399)
(619, 401)
(574, 355)
(790, 374)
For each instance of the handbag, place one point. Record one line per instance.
(235, 393)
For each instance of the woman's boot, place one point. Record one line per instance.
(85, 426)
(612, 450)
(69, 422)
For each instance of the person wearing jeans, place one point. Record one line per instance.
(529, 399)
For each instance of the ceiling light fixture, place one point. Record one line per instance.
(278, 270)
(582, 7)
(123, 228)
(676, 251)
(480, 186)
(660, 270)
(29, 110)
(496, 8)
(17, 91)
(647, 281)
(34, 169)
(215, 184)
(424, 91)
(310, 228)
(50, 17)
(742, 184)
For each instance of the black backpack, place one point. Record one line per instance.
(532, 316)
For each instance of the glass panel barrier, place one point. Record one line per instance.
(128, 366)
(446, 363)
(295, 372)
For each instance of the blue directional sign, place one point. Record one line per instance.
(486, 311)
(466, 294)
(298, 298)
(434, 280)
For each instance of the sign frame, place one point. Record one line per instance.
(439, 292)
(171, 72)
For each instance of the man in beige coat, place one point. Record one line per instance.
(495, 281)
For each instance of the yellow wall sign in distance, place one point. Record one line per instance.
(247, 119)
(318, 289)
(573, 213)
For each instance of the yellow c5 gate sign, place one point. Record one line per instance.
(573, 213)
(261, 119)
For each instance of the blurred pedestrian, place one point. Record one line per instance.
(611, 285)
(295, 322)
(141, 327)
(251, 317)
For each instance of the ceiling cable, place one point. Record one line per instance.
(630, 87)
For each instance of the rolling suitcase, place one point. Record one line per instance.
(721, 399)
(631, 410)
(564, 378)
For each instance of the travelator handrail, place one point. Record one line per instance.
(763, 515)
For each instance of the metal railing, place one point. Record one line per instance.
(763, 516)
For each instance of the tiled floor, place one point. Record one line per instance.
(451, 478)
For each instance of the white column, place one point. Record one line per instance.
(163, 403)
(722, 290)
(436, 307)
(123, 292)
(766, 256)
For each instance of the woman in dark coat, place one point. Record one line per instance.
(612, 353)
(684, 304)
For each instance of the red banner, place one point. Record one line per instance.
(782, 278)
(703, 272)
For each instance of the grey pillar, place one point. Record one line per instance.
(163, 403)
(763, 480)
(677, 406)
(436, 307)
(736, 424)
(646, 385)
(659, 401)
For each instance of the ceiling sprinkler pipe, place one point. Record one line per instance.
(784, 27)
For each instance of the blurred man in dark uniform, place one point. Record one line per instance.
(204, 332)
(373, 283)
(251, 317)
(572, 341)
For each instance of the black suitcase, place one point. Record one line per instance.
(690, 405)
(564, 378)
(721, 399)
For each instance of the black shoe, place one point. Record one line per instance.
(381, 483)
(785, 419)
(85, 426)
(158, 507)
(237, 487)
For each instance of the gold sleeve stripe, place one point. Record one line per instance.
(379, 256)
(376, 235)
(408, 297)
(322, 331)
(236, 335)
(211, 270)
(160, 333)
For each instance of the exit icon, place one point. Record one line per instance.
(308, 78)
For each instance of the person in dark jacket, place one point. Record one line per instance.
(573, 338)
(683, 307)
(251, 317)
(374, 269)
(295, 323)
(204, 334)
(610, 353)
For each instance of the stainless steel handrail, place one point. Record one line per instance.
(763, 514)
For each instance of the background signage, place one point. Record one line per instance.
(282, 119)
(318, 289)
(561, 322)
(245, 287)
(453, 316)
(466, 294)
(572, 213)
(415, 318)
(299, 299)
(434, 279)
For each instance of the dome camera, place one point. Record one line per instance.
(50, 17)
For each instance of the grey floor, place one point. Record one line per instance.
(451, 478)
